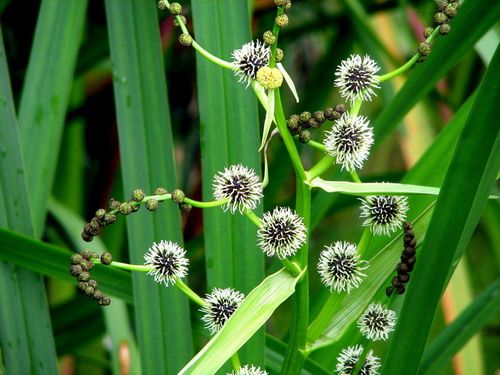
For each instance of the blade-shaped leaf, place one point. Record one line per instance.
(367, 188)
(146, 151)
(252, 314)
(476, 160)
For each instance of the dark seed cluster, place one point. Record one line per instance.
(81, 264)
(445, 11)
(104, 217)
(408, 259)
(300, 125)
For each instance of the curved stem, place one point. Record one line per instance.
(126, 266)
(209, 204)
(354, 176)
(190, 293)
(235, 361)
(410, 62)
(320, 167)
(253, 218)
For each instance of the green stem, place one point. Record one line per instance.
(295, 357)
(410, 62)
(126, 266)
(209, 204)
(235, 361)
(355, 107)
(253, 218)
(322, 166)
(316, 145)
(276, 32)
(354, 176)
(190, 293)
(287, 137)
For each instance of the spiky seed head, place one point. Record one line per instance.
(340, 268)
(377, 322)
(219, 306)
(248, 370)
(384, 213)
(249, 59)
(349, 141)
(356, 78)
(282, 232)
(349, 357)
(269, 78)
(168, 261)
(240, 185)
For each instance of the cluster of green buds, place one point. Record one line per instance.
(301, 124)
(407, 263)
(445, 11)
(105, 217)
(81, 264)
(175, 10)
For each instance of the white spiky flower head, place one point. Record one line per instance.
(384, 213)
(349, 141)
(249, 370)
(340, 268)
(240, 185)
(349, 357)
(219, 306)
(282, 232)
(249, 59)
(377, 322)
(168, 261)
(356, 78)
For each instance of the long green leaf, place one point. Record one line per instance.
(45, 96)
(476, 160)
(254, 311)
(446, 53)
(27, 343)
(461, 330)
(54, 261)
(354, 188)
(146, 150)
(229, 135)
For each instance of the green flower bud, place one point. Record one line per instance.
(280, 2)
(161, 191)
(109, 218)
(87, 254)
(90, 229)
(444, 29)
(138, 195)
(92, 283)
(86, 237)
(135, 207)
(152, 204)
(329, 113)
(105, 301)
(304, 136)
(76, 259)
(178, 196)
(87, 265)
(450, 10)
(269, 78)
(293, 122)
(279, 54)
(98, 295)
(427, 32)
(269, 37)
(440, 18)
(305, 116)
(185, 207)
(76, 270)
(84, 276)
(183, 20)
(125, 208)
(82, 285)
(100, 213)
(89, 290)
(424, 49)
(114, 204)
(313, 123)
(161, 5)
(185, 39)
(175, 9)
(288, 4)
(340, 108)
(319, 116)
(281, 20)
(106, 258)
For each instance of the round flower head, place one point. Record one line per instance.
(168, 261)
(248, 370)
(281, 233)
(249, 59)
(349, 357)
(349, 141)
(384, 214)
(220, 305)
(240, 185)
(340, 268)
(356, 78)
(377, 322)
